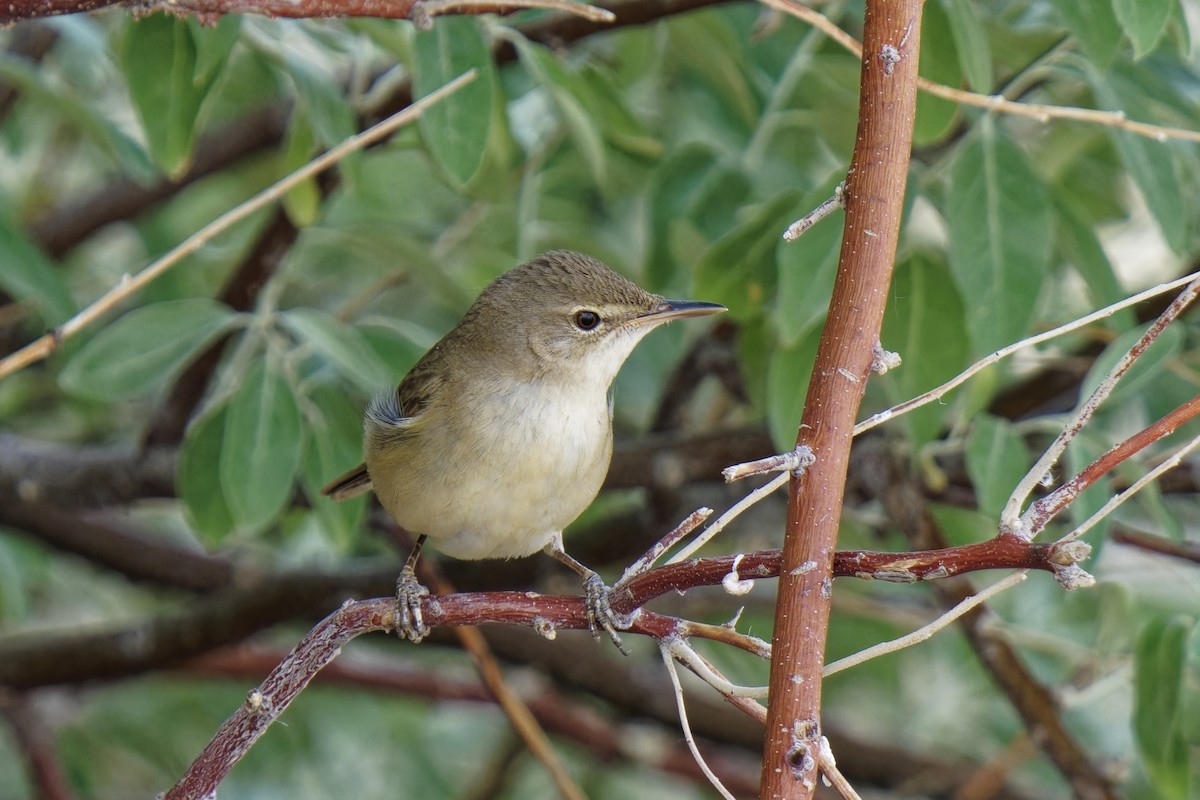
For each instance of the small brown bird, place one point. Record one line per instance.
(501, 435)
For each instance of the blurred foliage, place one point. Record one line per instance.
(677, 152)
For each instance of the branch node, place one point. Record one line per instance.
(797, 228)
(799, 757)
(258, 704)
(420, 17)
(884, 360)
(545, 628)
(1067, 553)
(1073, 577)
(890, 57)
(795, 461)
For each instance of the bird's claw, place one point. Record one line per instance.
(410, 622)
(600, 614)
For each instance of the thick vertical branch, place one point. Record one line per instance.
(874, 197)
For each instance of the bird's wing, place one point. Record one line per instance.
(392, 416)
(352, 484)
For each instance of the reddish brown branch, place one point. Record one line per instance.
(1188, 551)
(904, 504)
(30, 661)
(557, 713)
(874, 200)
(1048, 507)
(36, 742)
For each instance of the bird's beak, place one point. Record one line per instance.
(668, 310)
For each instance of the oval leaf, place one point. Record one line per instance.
(260, 451)
(456, 129)
(1143, 21)
(199, 476)
(159, 59)
(342, 346)
(143, 347)
(997, 459)
(1000, 236)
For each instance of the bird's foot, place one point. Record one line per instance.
(600, 615)
(409, 591)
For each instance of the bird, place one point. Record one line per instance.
(501, 435)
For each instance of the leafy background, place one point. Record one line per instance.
(677, 151)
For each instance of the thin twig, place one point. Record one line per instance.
(933, 395)
(925, 632)
(737, 508)
(42, 347)
(686, 727)
(440, 7)
(685, 654)
(1010, 518)
(647, 559)
(1111, 505)
(832, 774)
(1039, 112)
(1188, 551)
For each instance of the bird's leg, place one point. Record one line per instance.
(409, 591)
(596, 596)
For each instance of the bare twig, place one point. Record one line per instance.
(828, 767)
(798, 228)
(1041, 113)
(44, 346)
(1010, 518)
(925, 632)
(1159, 544)
(934, 395)
(419, 11)
(874, 197)
(723, 520)
(686, 727)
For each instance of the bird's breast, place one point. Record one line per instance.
(494, 474)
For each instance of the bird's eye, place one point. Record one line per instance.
(586, 320)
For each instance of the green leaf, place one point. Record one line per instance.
(707, 45)
(971, 42)
(1143, 21)
(322, 100)
(739, 270)
(214, 43)
(939, 63)
(27, 275)
(564, 89)
(302, 202)
(673, 187)
(997, 459)
(807, 268)
(1161, 666)
(1000, 237)
(333, 446)
(789, 372)
(925, 324)
(342, 346)
(1151, 164)
(1095, 26)
(159, 59)
(144, 347)
(1084, 252)
(1153, 362)
(199, 476)
(261, 449)
(456, 129)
